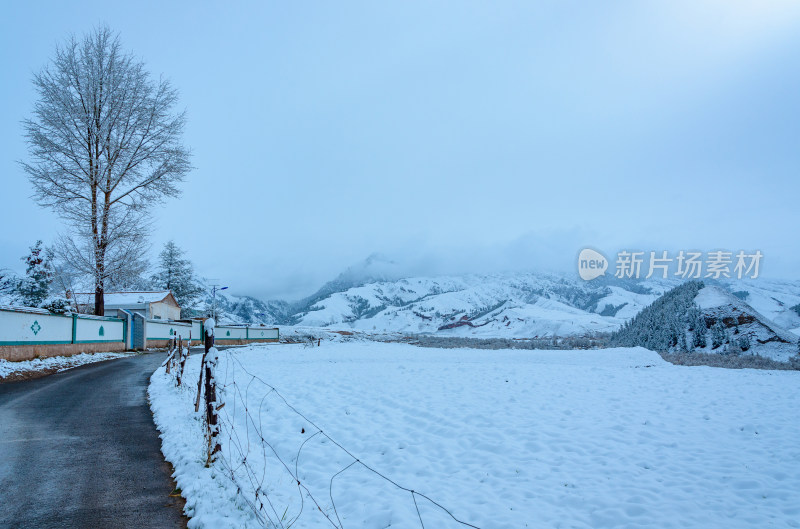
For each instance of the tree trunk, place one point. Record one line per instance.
(99, 283)
(99, 300)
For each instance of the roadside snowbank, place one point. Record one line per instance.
(503, 439)
(54, 364)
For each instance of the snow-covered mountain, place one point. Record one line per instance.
(235, 309)
(373, 295)
(375, 268)
(247, 309)
(513, 305)
(741, 322)
(232, 308)
(699, 317)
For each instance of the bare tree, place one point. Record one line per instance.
(66, 279)
(105, 146)
(124, 266)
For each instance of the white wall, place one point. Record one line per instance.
(22, 327)
(197, 332)
(25, 327)
(157, 330)
(230, 333)
(164, 311)
(223, 332)
(17, 328)
(262, 333)
(96, 330)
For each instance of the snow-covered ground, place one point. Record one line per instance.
(54, 363)
(503, 439)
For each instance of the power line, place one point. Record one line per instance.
(257, 482)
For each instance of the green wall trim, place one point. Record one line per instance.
(55, 315)
(58, 343)
(35, 343)
(20, 311)
(90, 317)
(243, 338)
(229, 339)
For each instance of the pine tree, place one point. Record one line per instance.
(175, 273)
(34, 289)
(7, 282)
(698, 325)
(718, 335)
(689, 343)
(662, 325)
(744, 342)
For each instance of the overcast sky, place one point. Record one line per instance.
(458, 136)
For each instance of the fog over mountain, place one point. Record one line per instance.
(375, 296)
(479, 138)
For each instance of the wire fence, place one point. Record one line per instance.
(254, 462)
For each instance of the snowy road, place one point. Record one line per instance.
(79, 449)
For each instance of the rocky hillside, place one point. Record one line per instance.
(245, 309)
(706, 318)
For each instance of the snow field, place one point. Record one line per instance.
(503, 439)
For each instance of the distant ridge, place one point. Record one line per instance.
(373, 295)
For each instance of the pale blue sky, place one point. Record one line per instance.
(464, 135)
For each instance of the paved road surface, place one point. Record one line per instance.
(79, 449)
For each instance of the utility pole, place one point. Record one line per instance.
(214, 289)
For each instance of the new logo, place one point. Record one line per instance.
(591, 264)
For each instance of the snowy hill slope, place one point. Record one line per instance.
(778, 300)
(373, 269)
(706, 318)
(515, 305)
(740, 321)
(373, 295)
(234, 309)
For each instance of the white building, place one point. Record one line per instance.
(158, 305)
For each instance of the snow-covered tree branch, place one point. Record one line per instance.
(105, 146)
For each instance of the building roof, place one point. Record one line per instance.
(126, 299)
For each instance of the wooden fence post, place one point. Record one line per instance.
(179, 362)
(211, 394)
(169, 355)
(183, 357)
(207, 345)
